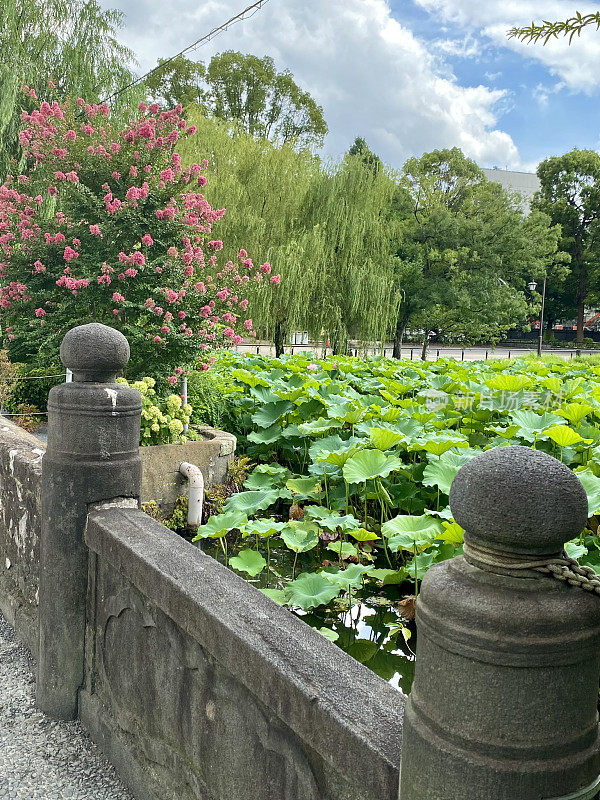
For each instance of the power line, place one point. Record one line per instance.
(248, 12)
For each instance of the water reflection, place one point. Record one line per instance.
(367, 627)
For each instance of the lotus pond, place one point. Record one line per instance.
(346, 506)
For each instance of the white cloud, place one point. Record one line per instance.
(577, 65)
(372, 76)
(466, 47)
(541, 93)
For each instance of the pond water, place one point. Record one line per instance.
(368, 627)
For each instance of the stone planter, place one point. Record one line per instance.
(161, 480)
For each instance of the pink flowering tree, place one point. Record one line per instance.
(108, 226)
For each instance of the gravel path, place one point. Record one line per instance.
(41, 759)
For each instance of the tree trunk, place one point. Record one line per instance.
(425, 347)
(581, 291)
(337, 347)
(398, 338)
(279, 339)
(580, 320)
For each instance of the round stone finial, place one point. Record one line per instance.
(518, 500)
(94, 353)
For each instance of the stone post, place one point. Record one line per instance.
(504, 703)
(92, 456)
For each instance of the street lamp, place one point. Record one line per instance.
(532, 287)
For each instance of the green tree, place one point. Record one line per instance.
(369, 158)
(465, 252)
(263, 188)
(570, 195)
(348, 244)
(326, 231)
(552, 30)
(177, 80)
(245, 89)
(72, 43)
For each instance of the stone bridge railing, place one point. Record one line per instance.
(199, 687)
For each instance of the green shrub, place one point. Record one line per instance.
(208, 395)
(31, 387)
(163, 418)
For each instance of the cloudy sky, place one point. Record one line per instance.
(407, 75)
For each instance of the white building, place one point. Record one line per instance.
(526, 183)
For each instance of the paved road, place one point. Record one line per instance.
(414, 353)
(41, 759)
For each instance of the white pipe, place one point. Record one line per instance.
(196, 496)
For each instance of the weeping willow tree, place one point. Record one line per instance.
(348, 241)
(69, 42)
(325, 230)
(263, 188)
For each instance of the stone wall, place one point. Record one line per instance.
(161, 479)
(199, 687)
(20, 523)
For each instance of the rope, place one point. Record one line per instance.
(561, 567)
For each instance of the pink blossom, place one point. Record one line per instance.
(147, 240)
(165, 329)
(118, 298)
(172, 379)
(266, 268)
(39, 312)
(70, 254)
(248, 324)
(157, 339)
(312, 367)
(95, 230)
(276, 279)
(242, 254)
